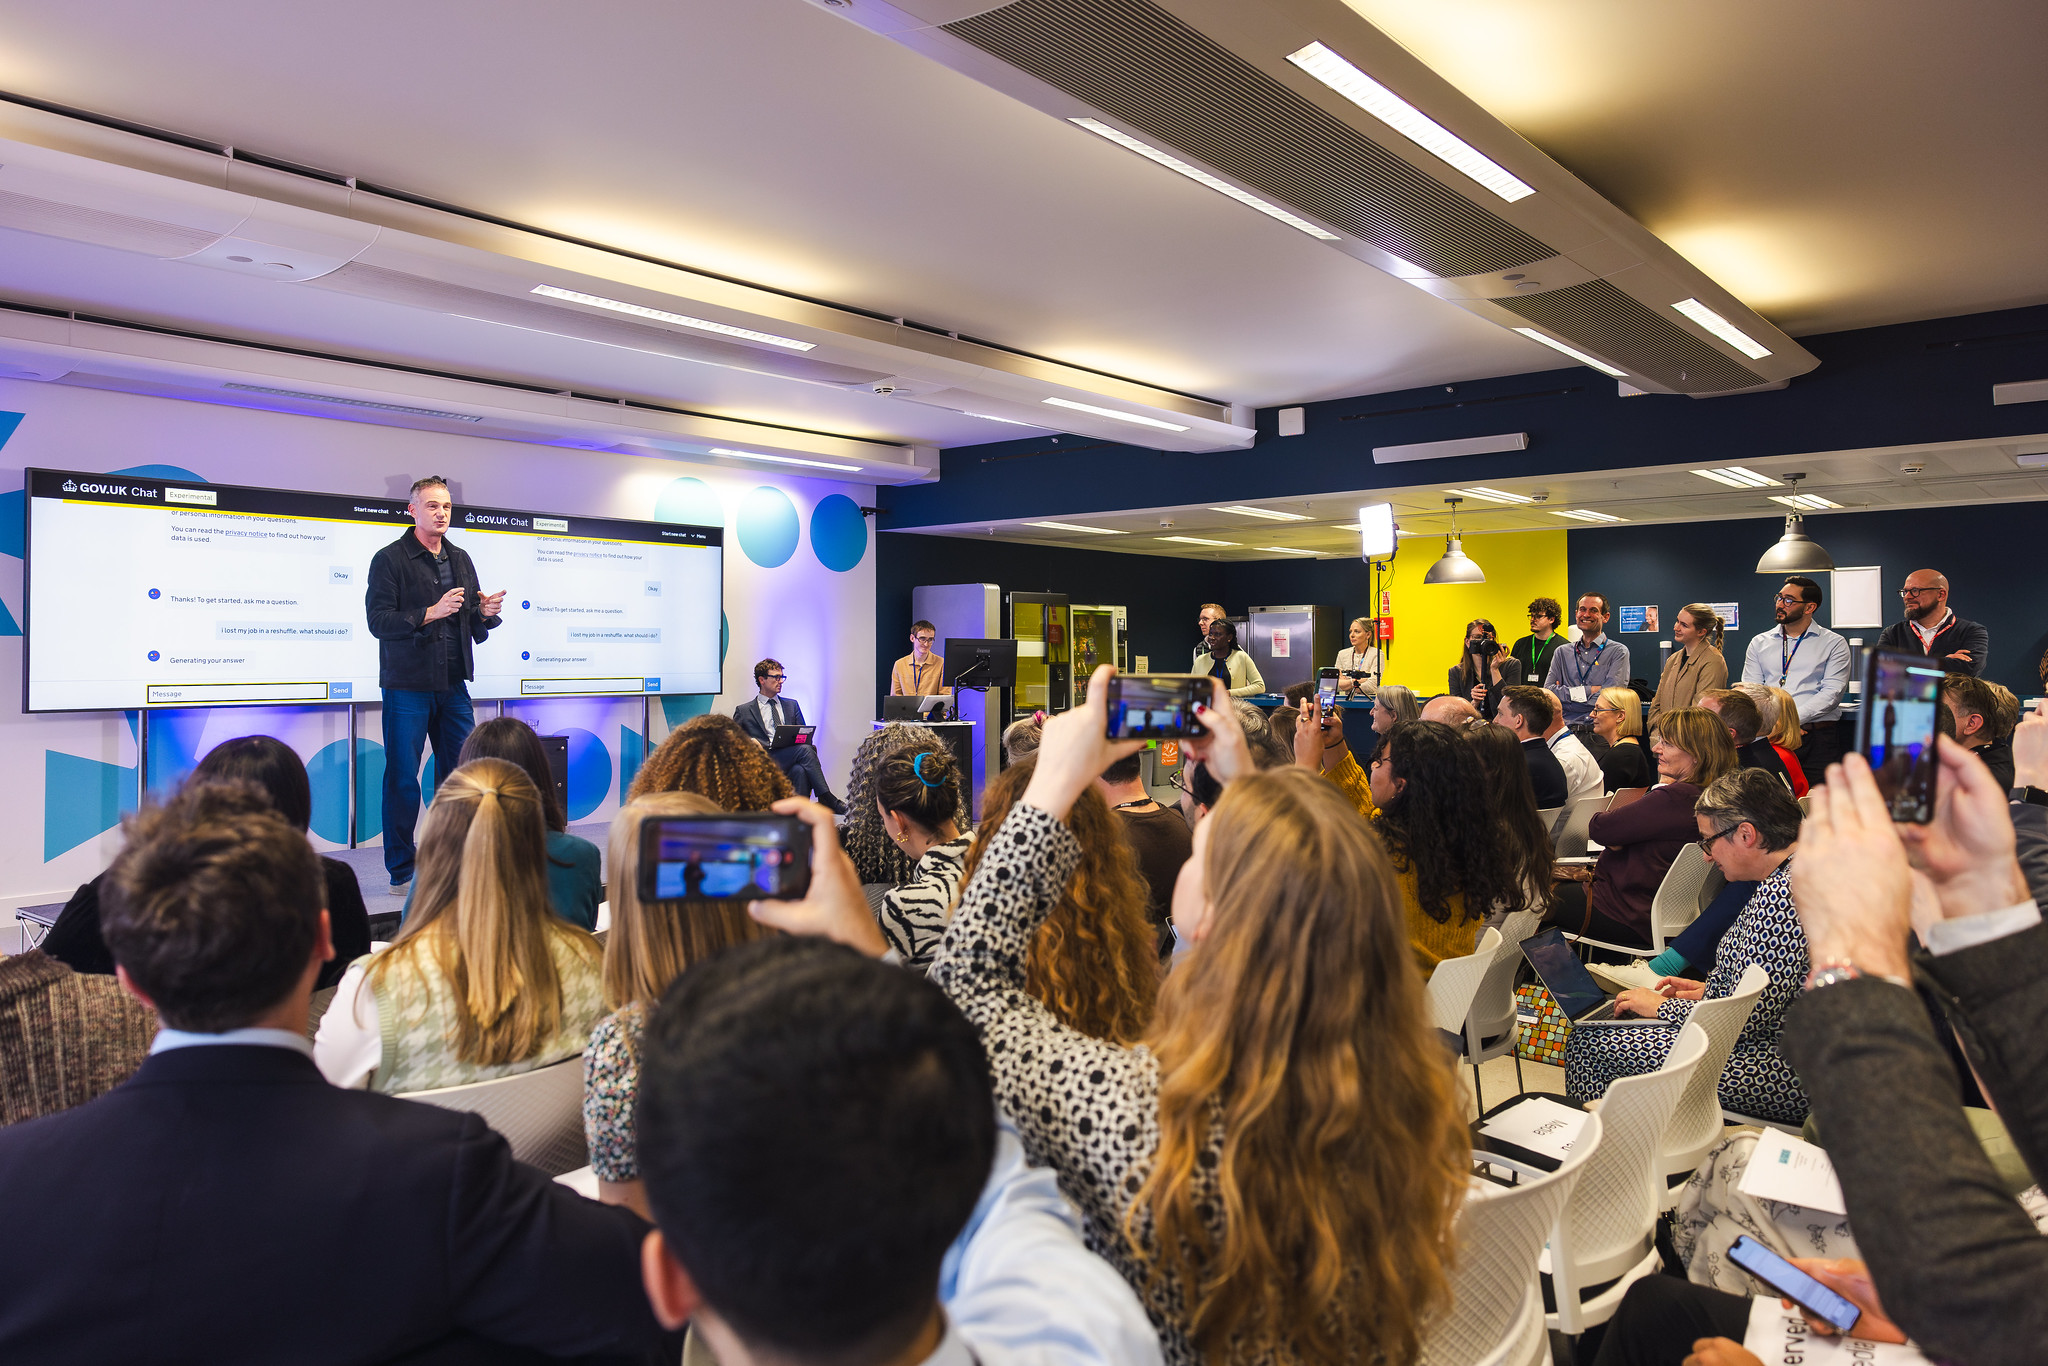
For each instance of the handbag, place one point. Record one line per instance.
(1544, 1027)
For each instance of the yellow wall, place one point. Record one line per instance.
(1429, 618)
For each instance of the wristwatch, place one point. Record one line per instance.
(2034, 796)
(1837, 970)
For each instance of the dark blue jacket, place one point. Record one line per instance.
(403, 585)
(754, 723)
(1957, 635)
(226, 1205)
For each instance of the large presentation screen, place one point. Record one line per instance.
(154, 593)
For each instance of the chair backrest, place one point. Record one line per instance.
(1500, 1236)
(540, 1113)
(1609, 1225)
(1689, 883)
(1493, 1004)
(1696, 1125)
(1455, 981)
(1549, 816)
(1573, 829)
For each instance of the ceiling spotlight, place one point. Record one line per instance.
(1581, 357)
(1076, 526)
(1193, 540)
(1493, 495)
(1736, 477)
(1722, 328)
(1268, 513)
(679, 319)
(1795, 552)
(1201, 177)
(784, 459)
(1585, 515)
(1455, 566)
(1113, 413)
(1405, 119)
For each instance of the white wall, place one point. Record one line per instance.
(67, 776)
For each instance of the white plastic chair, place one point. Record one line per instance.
(1453, 984)
(1697, 1123)
(1607, 1231)
(1549, 816)
(1689, 884)
(1493, 1026)
(1568, 837)
(540, 1113)
(1496, 1313)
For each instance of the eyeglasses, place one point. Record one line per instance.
(1707, 845)
(1796, 602)
(776, 678)
(1601, 706)
(1916, 592)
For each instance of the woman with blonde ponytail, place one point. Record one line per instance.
(484, 980)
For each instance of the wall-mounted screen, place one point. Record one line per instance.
(154, 593)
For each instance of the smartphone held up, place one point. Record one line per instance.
(749, 855)
(1156, 706)
(1896, 728)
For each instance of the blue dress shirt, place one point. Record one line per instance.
(1814, 665)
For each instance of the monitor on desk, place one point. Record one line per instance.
(974, 663)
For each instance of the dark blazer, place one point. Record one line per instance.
(1957, 1262)
(754, 721)
(1546, 774)
(403, 585)
(1957, 635)
(226, 1205)
(76, 939)
(1761, 753)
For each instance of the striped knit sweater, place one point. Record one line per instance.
(64, 1037)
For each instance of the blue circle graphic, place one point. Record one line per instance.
(724, 636)
(768, 527)
(526, 654)
(590, 772)
(154, 594)
(839, 532)
(690, 501)
(154, 656)
(327, 773)
(525, 605)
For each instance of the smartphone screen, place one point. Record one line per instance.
(1895, 731)
(1326, 688)
(1794, 1284)
(1156, 706)
(715, 857)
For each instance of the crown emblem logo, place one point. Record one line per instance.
(71, 486)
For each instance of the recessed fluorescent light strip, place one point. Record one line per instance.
(1736, 477)
(1493, 495)
(1806, 502)
(1113, 413)
(355, 402)
(1201, 177)
(1284, 550)
(679, 319)
(1554, 344)
(1076, 526)
(1722, 328)
(1405, 119)
(1268, 513)
(784, 459)
(1585, 515)
(989, 417)
(1193, 540)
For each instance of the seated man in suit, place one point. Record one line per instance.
(226, 1205)
(770, 709)
(1528, 712)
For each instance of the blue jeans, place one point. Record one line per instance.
(411, 719)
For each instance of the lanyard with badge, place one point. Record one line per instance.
(1577, 691)
(1785, 656)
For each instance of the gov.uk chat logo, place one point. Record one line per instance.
(71, 486)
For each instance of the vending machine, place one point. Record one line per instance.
(1101, 636)
(1042, 625)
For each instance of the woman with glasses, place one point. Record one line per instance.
(1390, 707)
(1618, 719)
(1748, 826)
(1695, 664)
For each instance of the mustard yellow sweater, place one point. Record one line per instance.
(1431, 939)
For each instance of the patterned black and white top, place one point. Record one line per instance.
(913, 916)
(1086, 1108)
(1757, 1080)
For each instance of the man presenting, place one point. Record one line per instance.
(1578, 672)
(1931, 629)
(770, 709)
(1810, 662)
(427, 611)
(918, 673)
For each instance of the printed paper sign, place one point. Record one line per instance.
(1539, 1124)
(1283, 637)
(1782, 1337)
(1638, 620)
(1729, 612)
(1792, 1171)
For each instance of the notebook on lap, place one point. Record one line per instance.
(785, 736)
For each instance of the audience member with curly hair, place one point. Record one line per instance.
(875, 856)
(711, 756)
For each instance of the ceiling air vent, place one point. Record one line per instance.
(1222, 89)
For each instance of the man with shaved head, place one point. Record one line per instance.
(1931, 629)
(1449, 709)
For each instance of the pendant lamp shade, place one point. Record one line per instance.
(1795, 553)
(1456, 566)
